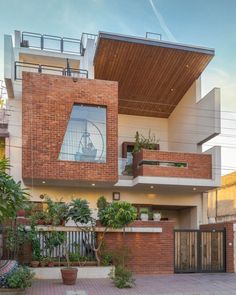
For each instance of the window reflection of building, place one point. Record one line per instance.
(85, 137)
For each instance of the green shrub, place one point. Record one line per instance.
(21, 278)
(106, 259)
(122, 277)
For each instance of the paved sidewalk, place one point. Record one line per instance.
(179, 284)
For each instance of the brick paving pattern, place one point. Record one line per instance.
(189, 284)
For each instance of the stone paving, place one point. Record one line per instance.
(179, 284)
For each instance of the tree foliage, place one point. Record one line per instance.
(12, 196)
(118, 215)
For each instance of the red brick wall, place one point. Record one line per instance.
(151, 253)
(47, 103)
(228, 226)
(198, 165)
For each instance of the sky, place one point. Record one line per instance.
(209, 23)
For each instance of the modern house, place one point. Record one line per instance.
(76, 105)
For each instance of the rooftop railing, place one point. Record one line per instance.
(48, 69)
(56, 43)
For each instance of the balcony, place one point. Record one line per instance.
(172, 164)
(3, 123)
(48, 69)
(154, 167)
(55, 43)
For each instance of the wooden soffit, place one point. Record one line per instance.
(153, 75)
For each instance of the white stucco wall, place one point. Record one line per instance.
(128, 125)
(194, 120)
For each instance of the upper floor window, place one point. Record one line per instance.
(85, 137)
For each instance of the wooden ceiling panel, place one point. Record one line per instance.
(153, 75)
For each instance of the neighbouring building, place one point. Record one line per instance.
(221, 201)
(76, 105)
(3, 119)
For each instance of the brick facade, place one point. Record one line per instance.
(198, 165)
(47, 102)
(228, 226)
(151, 253)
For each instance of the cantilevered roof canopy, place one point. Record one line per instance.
(153, 75)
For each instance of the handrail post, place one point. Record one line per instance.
(62, 45)
(42, 45)
(15, 70)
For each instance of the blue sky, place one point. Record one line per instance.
(211, 23)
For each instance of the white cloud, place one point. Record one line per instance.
(162, 22)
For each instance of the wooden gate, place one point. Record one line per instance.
(199, 251)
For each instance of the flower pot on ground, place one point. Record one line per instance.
(69, 275)
(156, 216)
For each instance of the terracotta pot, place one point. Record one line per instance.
(62, 222)
(43, 263)
(50, 264)
(34, 263)
(40, 222)
(69, 275)
(21, 213)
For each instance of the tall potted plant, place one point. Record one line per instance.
(68, 273)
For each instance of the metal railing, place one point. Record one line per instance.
(48, 69)
(4, 116)
(153, 35)
(78, 242)
(51, 43)
(56, 43)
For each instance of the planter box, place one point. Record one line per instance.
(12, 291)
(85, 272)
(74, 263)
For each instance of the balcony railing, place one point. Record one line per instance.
(3, 116)
(56, 43)
(47, 69)
(172, 164)
(51, 43)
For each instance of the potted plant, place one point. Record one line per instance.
(144, 214)
(18, 281)
(68, 273)
(53, 240)
(142, 142)
(43, 261)
(157, 216)
(35, 244)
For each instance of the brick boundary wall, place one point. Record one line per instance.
(198, 165)
(228, 226)
(151, 253)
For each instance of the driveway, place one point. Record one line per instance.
(178, 284)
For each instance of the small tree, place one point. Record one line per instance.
(114, 215)
(12, 196)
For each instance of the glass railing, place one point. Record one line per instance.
(125, 167)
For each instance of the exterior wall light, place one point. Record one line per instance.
(116, 196)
